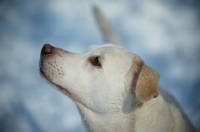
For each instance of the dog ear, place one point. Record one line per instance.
(142, 81)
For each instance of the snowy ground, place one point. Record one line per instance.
(166, 34)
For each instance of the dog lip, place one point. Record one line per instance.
(56, 85)
(41, 71)
(43, 74)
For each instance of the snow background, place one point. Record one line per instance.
(165, 33)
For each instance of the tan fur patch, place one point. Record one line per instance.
(147, 84)
(142, 80)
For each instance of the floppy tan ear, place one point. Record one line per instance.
(144, 80)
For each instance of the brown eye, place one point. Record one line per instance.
(96, 61)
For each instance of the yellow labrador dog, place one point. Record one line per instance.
(114, 89)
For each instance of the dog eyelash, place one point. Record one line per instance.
(95, 61)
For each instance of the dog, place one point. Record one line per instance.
(113, 88)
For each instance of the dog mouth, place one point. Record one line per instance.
(58, 87)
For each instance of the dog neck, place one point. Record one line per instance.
(118, 121)
(97, 122)
(125, 120)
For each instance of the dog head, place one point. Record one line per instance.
(101, 78)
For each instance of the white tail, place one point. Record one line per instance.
(108, 33)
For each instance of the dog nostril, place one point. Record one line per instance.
(47, 49)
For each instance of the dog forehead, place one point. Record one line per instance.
(104, 46)
(108, 50)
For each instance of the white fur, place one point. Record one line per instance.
(100, 94)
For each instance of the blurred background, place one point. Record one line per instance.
(165, 33)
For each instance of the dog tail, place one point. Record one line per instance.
(108, 33)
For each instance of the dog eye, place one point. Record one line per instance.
(96, 61)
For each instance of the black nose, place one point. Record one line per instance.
(47, 49)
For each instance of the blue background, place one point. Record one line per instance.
(165, 33)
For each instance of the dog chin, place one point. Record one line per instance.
(56, 86)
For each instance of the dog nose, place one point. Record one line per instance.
(47, 49)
